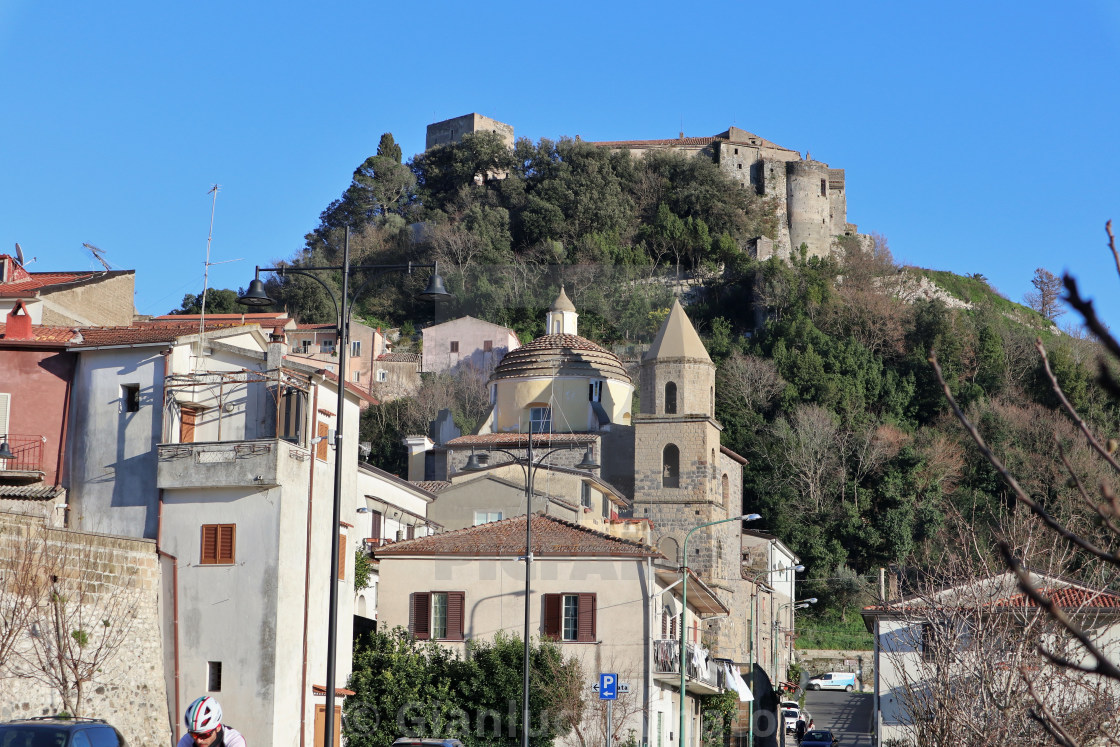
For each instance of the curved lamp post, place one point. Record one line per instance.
(256, 296)
(800, 604)
(684, 604)
(5, 450)
(529, 464)
(754, 633)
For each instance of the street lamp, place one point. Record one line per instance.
(800, 604)
(256, 296)
(478, 462)
(684, 603)
(5, 450)
(754, 634)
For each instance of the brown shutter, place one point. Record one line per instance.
(227, 543)
(322, 446)
(341, 557)
(585, 626)
(664, 624)
(188, 419)
(455, 604)
(420, 615)
(552, 622)
(209, 544)
(375, 526)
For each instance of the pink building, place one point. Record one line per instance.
(466, 342)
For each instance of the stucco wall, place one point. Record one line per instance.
(39, 382)
(568, 398)
(471, 335)
(107, 303)
(128, 692)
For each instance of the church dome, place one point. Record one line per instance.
(561, 355)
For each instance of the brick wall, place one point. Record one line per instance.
(106, 302)
(119, 581)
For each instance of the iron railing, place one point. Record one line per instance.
(28, 451)
(699, 663)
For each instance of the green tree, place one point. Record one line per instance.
(218, 301)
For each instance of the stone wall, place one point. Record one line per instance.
(104, 302)
(120, 581)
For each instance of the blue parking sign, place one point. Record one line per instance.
(608, 686)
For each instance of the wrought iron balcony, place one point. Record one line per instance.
(28, 464)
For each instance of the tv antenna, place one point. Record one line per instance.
(97, 255)
(206, 272)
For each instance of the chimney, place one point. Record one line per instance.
(19, 324)
(681, 136)
(274, 355)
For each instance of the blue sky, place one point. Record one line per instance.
(977, 136)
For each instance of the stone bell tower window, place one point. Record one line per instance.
(670, 398)
(671, 467)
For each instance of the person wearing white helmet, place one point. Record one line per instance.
(205, 728)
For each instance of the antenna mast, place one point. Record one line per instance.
(206, 276)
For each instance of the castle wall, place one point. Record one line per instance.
(128, 691)
(452, 130)
(807, 207)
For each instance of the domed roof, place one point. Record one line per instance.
(562, 302)
(552, 355)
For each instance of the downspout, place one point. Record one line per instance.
(307, 574)
(647, 683)
(65, 424)
(174, 572)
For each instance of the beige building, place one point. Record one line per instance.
(68, 299)
(466, 343)
(611, 603)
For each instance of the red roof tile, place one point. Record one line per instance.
(45, 334)
(399, 357)
(34, 282)
(432, 486)
(552, 537)
(701, 141)
(143, 333)
(1067, 598)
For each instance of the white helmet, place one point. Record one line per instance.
(204, 715)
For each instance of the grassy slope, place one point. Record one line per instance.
(974, 290)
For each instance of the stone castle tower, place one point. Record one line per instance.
(682, 476)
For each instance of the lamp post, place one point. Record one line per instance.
(529, 464)
(800, 604)
(684, 604)
(256, 296)
(5, 450)
(754, 632)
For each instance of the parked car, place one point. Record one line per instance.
(819, 738)
(49, 731)
(789, 718)
(833, 681)
(423, 742)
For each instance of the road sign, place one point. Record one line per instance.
(622, 688)
(608, 686)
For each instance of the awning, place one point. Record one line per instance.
(338, 691)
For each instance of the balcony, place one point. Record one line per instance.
(703, 675)
(28, 465)
(263, 463)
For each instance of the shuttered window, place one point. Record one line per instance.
(322, 446)
(570, 617)
(341, 557)
(436, 615)
(219, 544)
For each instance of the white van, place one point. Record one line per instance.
(833, 681)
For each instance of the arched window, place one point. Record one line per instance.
(670, 399)
(712, 401)
(671, 467)
(726, 491)
(669, 548)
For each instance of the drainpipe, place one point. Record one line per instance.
(307, 576)
(651, 624)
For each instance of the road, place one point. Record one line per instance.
(847, 714)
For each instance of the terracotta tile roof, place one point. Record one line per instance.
(25, 283)
(30, 492)
(309, 327)
(552, 537)
(553, 354)
(432, 486)
(322, 690)
(143, 333)
(521, 440)
(1067, 598)
(399, 357)
(274, 322)
(44, 334)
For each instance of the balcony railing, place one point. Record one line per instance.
(700, 667)
(28, 451)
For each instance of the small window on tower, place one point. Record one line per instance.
(488, 346)
(454, 346)
(214, 676)
(130, 394)
(824, 188)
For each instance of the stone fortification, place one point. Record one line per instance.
(452, 130)
(119, 583)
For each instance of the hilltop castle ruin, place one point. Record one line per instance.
(811, 196)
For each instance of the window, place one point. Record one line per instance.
(670, 398)
(725, 484)
(488, 346)
(375, 526)
(188, 421)
(130, 397)
(485, 517)
(357, 377)
(214, 676)
(670, 467)
(382, 375)
(540, 419)
(454, 346)
(585, 495)
(824, 188)
(219, 544)
(570, 617)
(326, 346)
(436, 615)
(355, 348)
(290, 427)
(595, 391)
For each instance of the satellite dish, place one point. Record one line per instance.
(19, 254)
